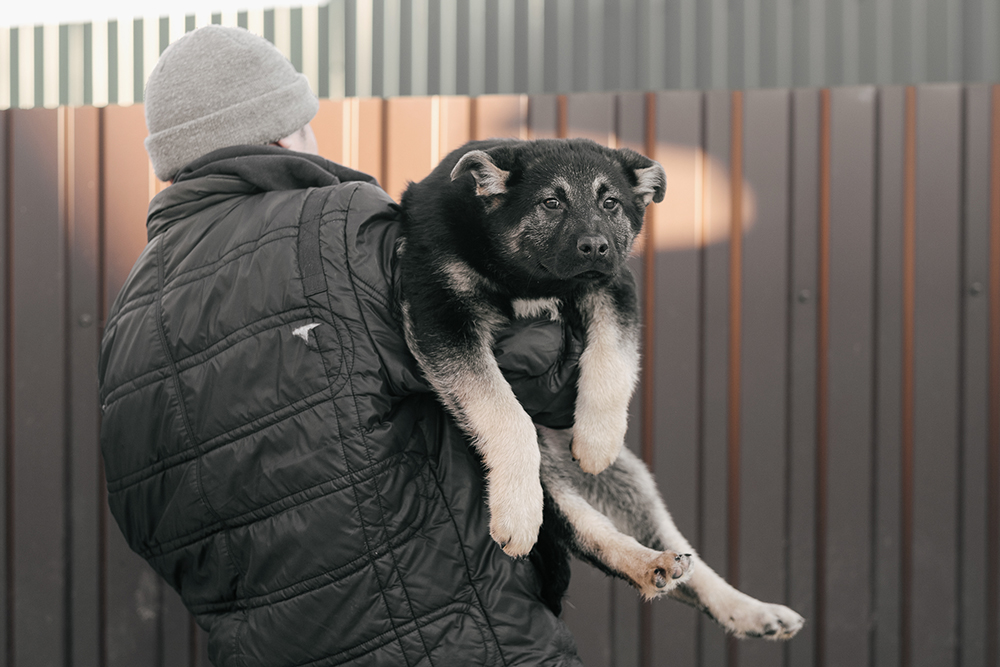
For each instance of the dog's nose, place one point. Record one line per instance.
(592, 247)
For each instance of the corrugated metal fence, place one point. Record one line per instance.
(821, 393)
(389, 48)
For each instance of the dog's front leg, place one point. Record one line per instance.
(466, 377)
(609, 368)
(504, 435)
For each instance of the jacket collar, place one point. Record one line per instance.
(241, 170)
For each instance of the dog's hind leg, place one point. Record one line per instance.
(737, 612)
(626, 494)
(593, 537)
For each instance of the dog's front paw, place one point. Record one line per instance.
(596, 449)
(753, 618)
(515, 514)
(662, 573)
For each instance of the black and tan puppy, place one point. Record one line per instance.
(503, 229)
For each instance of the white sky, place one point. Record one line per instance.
(54, 12)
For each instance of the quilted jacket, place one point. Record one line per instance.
(272, 450)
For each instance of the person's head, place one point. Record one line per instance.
(217, 87)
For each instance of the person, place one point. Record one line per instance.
(271, 448)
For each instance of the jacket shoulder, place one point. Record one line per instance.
(363, 221)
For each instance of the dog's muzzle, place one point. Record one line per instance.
(593, 257)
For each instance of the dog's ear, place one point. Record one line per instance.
(491, 180)
(648, 175)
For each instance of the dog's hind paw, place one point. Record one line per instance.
(753, 618)
(662, 573)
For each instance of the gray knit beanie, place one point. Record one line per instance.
(217, 87)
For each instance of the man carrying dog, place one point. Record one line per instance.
(271, 448)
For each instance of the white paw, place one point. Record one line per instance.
(515, 513)
(753, 618)
(596, 448)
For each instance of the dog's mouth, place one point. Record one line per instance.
(586, 275)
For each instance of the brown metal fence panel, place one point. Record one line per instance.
(763, 350)
(543, 116)
(974, 481)
(820, 401)
(5, 388)
(500, 116)
(455, 123)
(993, 433)
(802, 368)
(713, 537)
(333, 135)
(83, 327)
(936, 446)
(849, 354)
(673, 354)
(367, 137)
(888, 395)
(409, 146)
(37, 510)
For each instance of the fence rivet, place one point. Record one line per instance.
(975, 289)
(86, 320)
(804, 296)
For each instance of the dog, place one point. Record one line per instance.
(503, 229)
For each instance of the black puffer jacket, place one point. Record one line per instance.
(270, 445)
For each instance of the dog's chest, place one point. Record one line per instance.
(532, 308)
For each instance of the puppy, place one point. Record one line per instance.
(503, 229)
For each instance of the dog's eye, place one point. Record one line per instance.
(552, 202)
(610, 203)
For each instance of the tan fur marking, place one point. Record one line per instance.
(561, 182)
(505, 436)
(600, 182)
(609, 368)
(648, 179)
(463, 278)
(529, 308)
(490, 179)
(482, 402)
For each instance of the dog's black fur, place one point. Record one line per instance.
(503, 229)
(450, 215)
